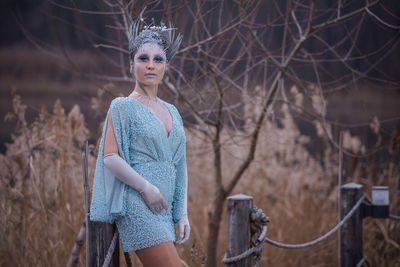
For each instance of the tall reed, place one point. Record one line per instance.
(41, 189)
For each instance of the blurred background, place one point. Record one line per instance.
(302, 71)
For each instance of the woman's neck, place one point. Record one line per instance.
(150, 91)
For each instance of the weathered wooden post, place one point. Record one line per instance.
(351, 247)
(238, 227)
(98, 235)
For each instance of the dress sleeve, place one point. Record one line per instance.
(108, 191)
(180, 194)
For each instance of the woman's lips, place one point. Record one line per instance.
(150, 74)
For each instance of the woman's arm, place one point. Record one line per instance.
(121, 169)
(110, 142)
(182, 195)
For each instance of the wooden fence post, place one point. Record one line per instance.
(351, 247)
(238, 227)
(98, 235)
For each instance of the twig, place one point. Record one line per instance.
(80, 240)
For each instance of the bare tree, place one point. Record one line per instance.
(230, 48)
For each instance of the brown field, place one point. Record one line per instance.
(41, 188)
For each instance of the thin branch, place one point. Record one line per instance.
(113, 47)
(344, 17)
(83, 11)
(254, 137)
(381, 21)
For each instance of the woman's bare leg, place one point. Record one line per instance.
(163, 254)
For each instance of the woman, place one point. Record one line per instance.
(140, 180)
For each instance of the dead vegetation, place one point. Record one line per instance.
(41, 191)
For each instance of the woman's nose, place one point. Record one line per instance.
(150, 64)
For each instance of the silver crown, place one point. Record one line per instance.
(162, 35)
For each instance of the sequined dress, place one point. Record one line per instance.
(158, 157)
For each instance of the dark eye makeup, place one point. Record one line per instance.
(143, 57)
(159, 58)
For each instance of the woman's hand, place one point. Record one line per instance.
(184, 229)
(153, 198)
(151, 194)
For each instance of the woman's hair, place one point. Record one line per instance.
(160, 35)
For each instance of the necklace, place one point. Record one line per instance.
(154, 100)
(155, 105)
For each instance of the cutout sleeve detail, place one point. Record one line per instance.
(108, 191)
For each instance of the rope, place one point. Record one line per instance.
(111, 249)
(244, 255)
(315, 241)
(259, 229)
(394, 217)
(364, 259)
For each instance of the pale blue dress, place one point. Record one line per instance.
(160, 158)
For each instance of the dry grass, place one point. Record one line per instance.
(41, 193)
(41, 188)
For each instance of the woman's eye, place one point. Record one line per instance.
(143, 58)
(159, 59)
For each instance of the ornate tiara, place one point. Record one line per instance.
(162, 35)
(153, 27)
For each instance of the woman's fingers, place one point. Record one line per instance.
(159, 208)
(164, 203)
(155, 199)
(159, 205)
(183, 234)
(184, 230)
(187, 233)
(156, 209)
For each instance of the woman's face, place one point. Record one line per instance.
(149, 64)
